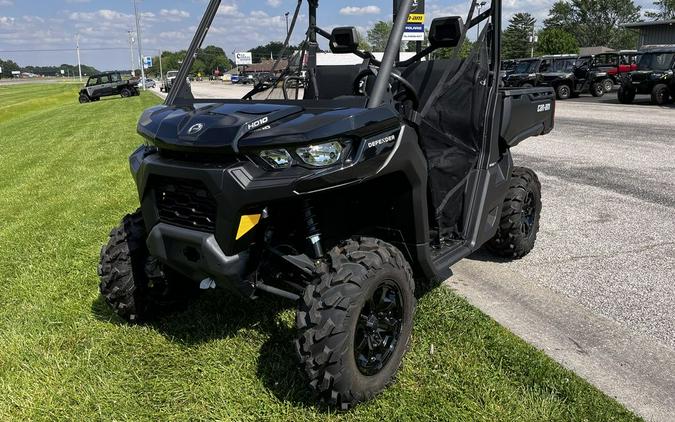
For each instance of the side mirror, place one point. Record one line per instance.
(446, 32)
(344, 40)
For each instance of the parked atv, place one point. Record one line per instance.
(107, 85)
(525, 74)
(615, 65)
(350, 201)
(655, 76)
(571, 76)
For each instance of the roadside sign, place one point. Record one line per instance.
(243, 59)
(414, 30)
(147, 62)
(63, 72)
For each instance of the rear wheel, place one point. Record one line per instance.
(527, 86)
(626, 95)
(521, 213)
(660, 94)
(597, 90)
(134, 284)
(355, 321)
(563, 92)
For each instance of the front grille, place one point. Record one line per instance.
(185, 203)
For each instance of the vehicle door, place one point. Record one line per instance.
(115, 83)
(94, 87)
(104, 87)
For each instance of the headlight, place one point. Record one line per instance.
(277, 158)
(321, 155)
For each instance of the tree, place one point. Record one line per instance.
(272, 49)
(378, 35)
(665, 10)
(363, 43)
(206, 61)
(595, 22)
(7, 68)
(516, 42)
(561, 16)
(557, 41)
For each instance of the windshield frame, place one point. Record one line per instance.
(182, 95)
(651, 56)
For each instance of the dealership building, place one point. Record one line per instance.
(654, 33)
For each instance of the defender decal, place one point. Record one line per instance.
(382, 141)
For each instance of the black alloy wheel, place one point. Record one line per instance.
(528, 215)
(378, 329)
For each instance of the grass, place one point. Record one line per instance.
(64, 183)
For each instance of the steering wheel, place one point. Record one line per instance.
(410, 91)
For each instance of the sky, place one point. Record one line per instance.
(51, 26)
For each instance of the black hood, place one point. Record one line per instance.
(227, 127)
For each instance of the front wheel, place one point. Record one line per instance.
(125, 93)
(355, 321)
(563, 92)
(626, 95)
(84, 99)
(608, 85)
(660, 94)
(521, 213)
(134, 284)
(597, 90)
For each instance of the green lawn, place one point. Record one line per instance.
(64, 183)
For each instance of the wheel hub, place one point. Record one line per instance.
(528, 215)
(378, 329)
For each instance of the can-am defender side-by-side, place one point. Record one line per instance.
(350, 195)
(655, 76)
(107, 85)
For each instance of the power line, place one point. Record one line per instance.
(44, 50)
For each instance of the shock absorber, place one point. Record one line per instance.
(313, 231)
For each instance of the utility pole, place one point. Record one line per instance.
(131, 50)
(79, 63)
(287, 13)
(533, 40)
(161, 72)
(480, 5)
(140, 44)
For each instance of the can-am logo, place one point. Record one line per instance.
(543, 108)
(382, 141)
(258, 123)
(196, 129)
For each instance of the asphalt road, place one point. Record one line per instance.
(608, 227)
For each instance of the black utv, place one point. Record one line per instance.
(525, 74)
(572, 76)
(349, 193)
(655, 76)
(107, 85)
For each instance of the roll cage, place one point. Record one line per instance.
(181, 94)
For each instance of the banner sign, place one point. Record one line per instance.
(243, 59)
(147, 62)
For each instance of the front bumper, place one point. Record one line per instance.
(195, 254)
